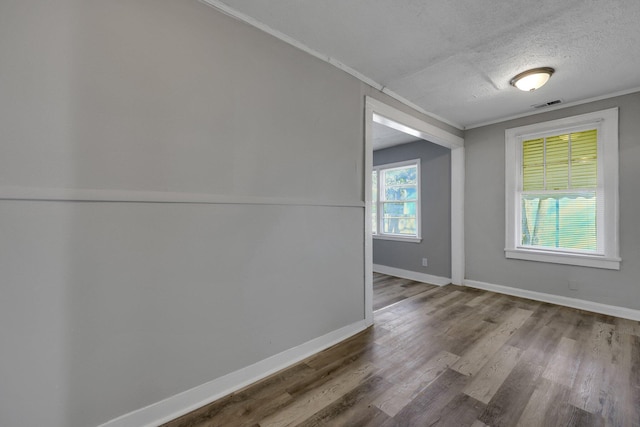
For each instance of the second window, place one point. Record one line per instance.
(396, 200)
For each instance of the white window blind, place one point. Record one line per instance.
(559, 195)
(561, 191)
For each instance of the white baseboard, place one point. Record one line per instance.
(187, 401)
(596, 307)
(411, 275)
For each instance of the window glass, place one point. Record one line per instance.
(562, 191)
(560, 219)
(374, 205)
(396, 193)
(566, 221)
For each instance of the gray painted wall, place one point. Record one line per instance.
(435, 177)
(485, 226)
(107, 307)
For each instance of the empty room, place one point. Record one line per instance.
(306, 213)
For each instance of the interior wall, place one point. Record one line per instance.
(110, 306)
(435, 181)
(485, 217)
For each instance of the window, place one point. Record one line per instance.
(562, 191)
(396, 201)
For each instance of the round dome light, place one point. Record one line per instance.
(531, 80)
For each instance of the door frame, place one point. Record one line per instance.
(382, 113)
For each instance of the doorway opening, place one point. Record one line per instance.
(381, 117)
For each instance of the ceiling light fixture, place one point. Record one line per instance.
(531, 80)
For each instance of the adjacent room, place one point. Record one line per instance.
(298, 213)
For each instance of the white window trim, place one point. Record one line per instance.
(396, 237)
(607, 124)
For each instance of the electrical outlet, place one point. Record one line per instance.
(424, 262)
(573, 285)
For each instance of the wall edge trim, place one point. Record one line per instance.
(242, 17)
(595, 307)
(412, 275)
(561, 106)
(136, 196)
(182, 403)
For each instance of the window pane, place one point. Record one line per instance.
(400, 176)
(546, 163)
(374, 221)
(584, 159)
(565, 221)
(401, 193)
(374, 202)
(557, 162)
(533, 164)
(374, 186)
(399, 218)
(398, 194)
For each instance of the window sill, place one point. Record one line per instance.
(594, 261)
(397, 238)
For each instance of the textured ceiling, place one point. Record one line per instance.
(454, 59)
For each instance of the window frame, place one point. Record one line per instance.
(378, 203)
(606, 121)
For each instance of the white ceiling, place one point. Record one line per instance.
(384, 137)
(454, 59)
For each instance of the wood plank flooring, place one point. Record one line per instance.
(453, 356)
(389, 290)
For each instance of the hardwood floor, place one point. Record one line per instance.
(389, 290)
(453, 356)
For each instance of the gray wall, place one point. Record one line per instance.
(484, 219)
(435, 170)
(107, 307)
